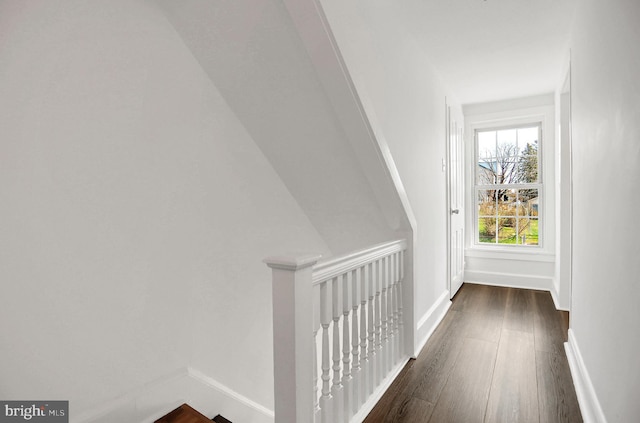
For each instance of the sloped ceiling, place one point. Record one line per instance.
(488, 50)
(252, 52)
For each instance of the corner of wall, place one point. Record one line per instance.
(211, 397)
(146, 403)
(428, 323)
(188, 385)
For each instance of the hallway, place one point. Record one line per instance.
(497, 356)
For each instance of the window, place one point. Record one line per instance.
(508, 187)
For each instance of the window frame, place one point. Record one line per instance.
(538, 185)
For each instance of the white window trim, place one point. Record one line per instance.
(544, 114)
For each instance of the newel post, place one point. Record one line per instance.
(293, 337)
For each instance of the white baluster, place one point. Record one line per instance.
(378, 323)
(355, 341)
(316, 395)
(390, 306)
(400, 300)
(390, 300)
(316, 368)
(396, 306)
(394, 309)
(384, 336)
(346, 346)
(364, 359)
(371, 354)
(337, 389)
(326, 398)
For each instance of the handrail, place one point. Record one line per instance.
(331, 268)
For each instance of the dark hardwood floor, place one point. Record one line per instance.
(497, 356)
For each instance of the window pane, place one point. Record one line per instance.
(506, 231)
(528, 233)
(486, 203)
(507, 145)
(527, 169)
(486, 144)
(486, 171)
(487, 230)
(528, 202)
(527, 136)
(528, 154)
(507, 202)
(507, 170)
(507, 199)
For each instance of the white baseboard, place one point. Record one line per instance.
(188, 385)
(510, 280)
(211, 397)
(556, 301)
(554, 297)
(430, 321)
(144, 404)
(587, 398)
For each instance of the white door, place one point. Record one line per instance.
(456, 200)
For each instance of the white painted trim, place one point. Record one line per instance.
(587, 398)
(509, 280)
(325, 270)
(211, 397)
(508, 113)
(141, 404)
(554, 296)
(513, 104)
(430, 321)
(503, 253)
(153, 400)
(380, 391)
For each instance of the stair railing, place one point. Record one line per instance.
(339, 332)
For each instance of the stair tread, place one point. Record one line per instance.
(183, 414)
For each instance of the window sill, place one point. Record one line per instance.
(510, 253)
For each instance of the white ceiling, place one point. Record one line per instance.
(494, 49)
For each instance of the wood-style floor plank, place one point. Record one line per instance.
(409, 410)
(439, 358)
(520, 310)
(394, 395)
(464, 397)
(480, 299)
(483, 310)
(557, 395)
(514, 391)
(483, 326)
(497, 356)
(426, 376)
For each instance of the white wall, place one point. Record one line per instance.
(252, 51)
(405, 103)
(532, 268)
(136, 211)
(605, 68)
